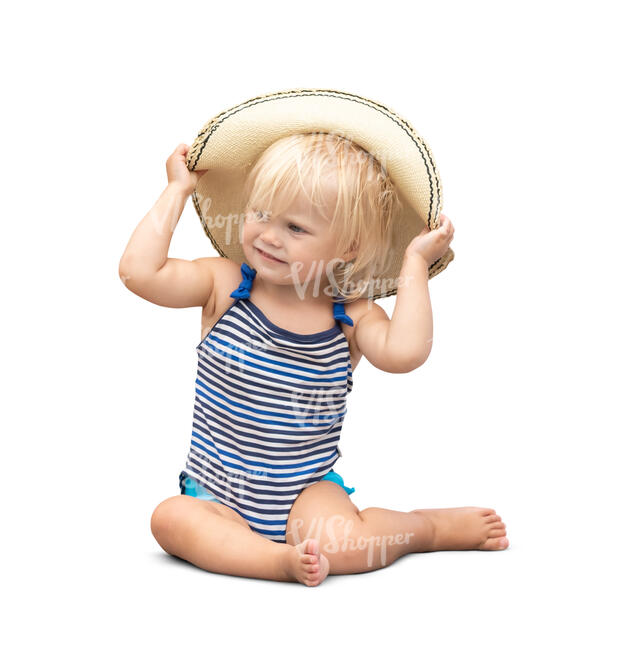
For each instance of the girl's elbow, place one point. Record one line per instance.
(408, 364)
(400, 365)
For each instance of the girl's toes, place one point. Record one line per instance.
(492, 518)
(312, 547)
(498, 527)
(495, 544)
(497, 532)
(313, 579)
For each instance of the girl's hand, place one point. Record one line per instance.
(178, 174)
(432, 244)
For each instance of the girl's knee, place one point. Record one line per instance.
(168, 519)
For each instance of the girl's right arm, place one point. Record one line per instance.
(145, 267)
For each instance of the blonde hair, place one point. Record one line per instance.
(365, 210)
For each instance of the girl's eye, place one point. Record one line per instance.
(260, 215)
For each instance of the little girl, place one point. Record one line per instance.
(281, 336)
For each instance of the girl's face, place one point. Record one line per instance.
(299, 239)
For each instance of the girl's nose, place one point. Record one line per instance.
(270, 238)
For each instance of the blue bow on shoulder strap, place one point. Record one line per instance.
(243, 290)
(339, 313)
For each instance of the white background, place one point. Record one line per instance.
(514, 409)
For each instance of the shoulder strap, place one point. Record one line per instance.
(245, 286)
(339, 312)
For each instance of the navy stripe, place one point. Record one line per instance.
(237, 328)
(241, 372)
(258, 411)
(270, 438)
(252, 397)
(258, 365)
(273, 491)
(256, 446)
(271, 361)
(262, 473)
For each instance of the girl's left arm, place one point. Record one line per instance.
(403, 343)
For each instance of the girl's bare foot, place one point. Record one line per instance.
(461, 529)
(306, 564)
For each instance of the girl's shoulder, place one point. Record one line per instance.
(357, 308)
(227, 276)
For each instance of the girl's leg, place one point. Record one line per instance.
(214, 537)
(357, 541)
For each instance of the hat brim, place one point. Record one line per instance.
(230, 143)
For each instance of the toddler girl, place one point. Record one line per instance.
(281, 336)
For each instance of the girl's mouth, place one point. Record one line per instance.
(268, 257)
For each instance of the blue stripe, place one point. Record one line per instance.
(255, 410)
(278, 372)
(256, 464)
(271, 360)
(259, 398)
(263, 496)
(240, 328)
(249, 417)
(229, 441)
(292, 439)
(247, 382)
(253, 464)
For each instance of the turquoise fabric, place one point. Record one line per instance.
(193, 489)
(336, 478)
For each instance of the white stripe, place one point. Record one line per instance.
(266, 383)
(227, 333)
(279, 432)
(301, 414)
(249, 455)
(260, 401)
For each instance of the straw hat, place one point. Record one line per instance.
(231, 142)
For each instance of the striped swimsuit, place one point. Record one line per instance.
(268, 411)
